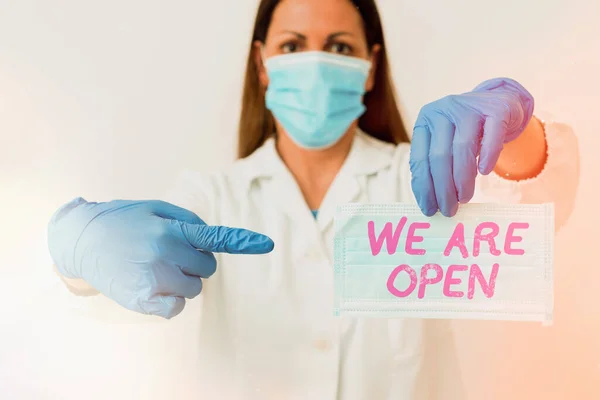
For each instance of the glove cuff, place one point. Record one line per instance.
(64, 230)
(517, 124)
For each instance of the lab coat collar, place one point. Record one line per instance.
(367, 156)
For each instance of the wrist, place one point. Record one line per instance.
(78, 287)
(64, 229)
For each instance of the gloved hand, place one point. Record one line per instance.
(452, 132)
(148, 256)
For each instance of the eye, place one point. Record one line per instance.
(289, 47)
(341, 48)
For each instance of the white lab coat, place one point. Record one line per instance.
(267, 329)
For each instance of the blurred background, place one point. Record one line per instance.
(111, 99)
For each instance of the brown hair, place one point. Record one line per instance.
(382, 119)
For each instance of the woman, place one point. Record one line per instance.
(319, 127)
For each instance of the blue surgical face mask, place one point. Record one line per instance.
(316, 96)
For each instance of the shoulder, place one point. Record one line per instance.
(233, 181)
(387, 167)
(375, 146)
(241, 174)
(381, 155)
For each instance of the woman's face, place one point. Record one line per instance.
(316, 25)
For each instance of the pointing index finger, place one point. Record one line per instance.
(223, 239)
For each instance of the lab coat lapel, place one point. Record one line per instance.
(282, 188)
(285, 191)
(344, 189)
(366, 157)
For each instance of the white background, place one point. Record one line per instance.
(110, 99)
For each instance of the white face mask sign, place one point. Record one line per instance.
(489, 262)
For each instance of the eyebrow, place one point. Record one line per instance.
(336, 34)
(330, 37)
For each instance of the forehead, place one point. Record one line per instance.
(316, 16)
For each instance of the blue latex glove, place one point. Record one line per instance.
(148, 256)
(451, 133)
